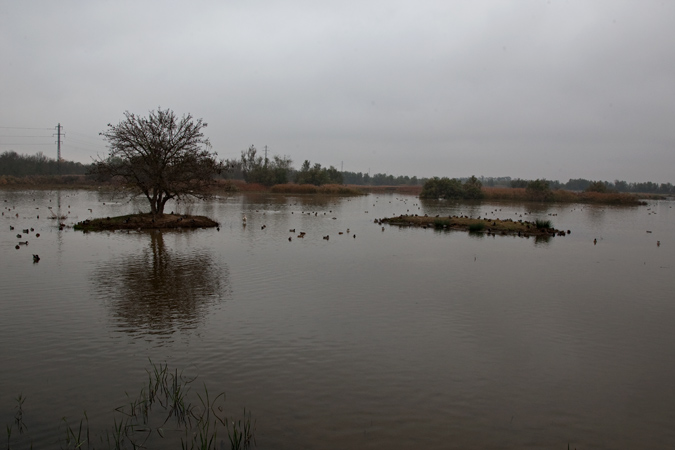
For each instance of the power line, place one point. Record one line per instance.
(24, 143)
(23, 135)
(25, 128)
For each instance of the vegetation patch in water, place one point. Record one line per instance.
(489, 226)
(542, 224)
(145, 221)
(165, 413)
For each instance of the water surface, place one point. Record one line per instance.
(373, 338)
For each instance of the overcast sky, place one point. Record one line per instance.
(529, 88)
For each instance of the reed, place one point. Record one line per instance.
(543, 224)
(164, 409)
(476, 227)
(326, 189)
(562, 196)
(442, 223)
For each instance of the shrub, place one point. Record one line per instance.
(539, 223)
(476, 227)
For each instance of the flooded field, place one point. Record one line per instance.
(373, 338)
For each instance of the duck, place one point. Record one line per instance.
(36, 258)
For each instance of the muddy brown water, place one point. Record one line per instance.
(402, 338)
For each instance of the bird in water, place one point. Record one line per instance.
(36, 258)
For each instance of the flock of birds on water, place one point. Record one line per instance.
(301, 235)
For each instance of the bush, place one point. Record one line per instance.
(539, 190)
(539, 223)
(452, 188)
(476, 227)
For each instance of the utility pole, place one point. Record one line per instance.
(58, 148)
(265, 156)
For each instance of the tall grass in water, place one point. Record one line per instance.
(562, 196)
(326, 189)
(165, 412)
(476, 227)
(540, 223)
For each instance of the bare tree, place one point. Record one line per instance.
(161, 156)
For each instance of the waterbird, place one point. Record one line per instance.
(595, 241)
(36, 258)
(658, 243)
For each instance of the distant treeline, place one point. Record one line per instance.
(254, 168)
(13, 164)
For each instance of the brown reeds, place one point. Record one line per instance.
(562, 196)
(326, 189)
(402, 189)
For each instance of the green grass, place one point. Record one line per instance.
(165, 412)
(442, 223)
(476, 227)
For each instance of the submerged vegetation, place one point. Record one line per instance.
(166, 413)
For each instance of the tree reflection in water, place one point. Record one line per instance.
(161, 291)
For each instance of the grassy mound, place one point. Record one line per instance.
(145, 221)
(489, 226)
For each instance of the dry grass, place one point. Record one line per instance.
(403, 189)
(48, 182)
(563, 196)
(326, 189)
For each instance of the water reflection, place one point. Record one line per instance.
(160, 291)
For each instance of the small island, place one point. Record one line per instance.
(145, 221)
(488, 226)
